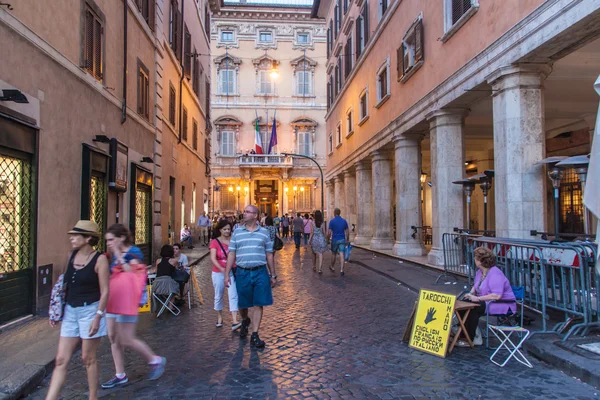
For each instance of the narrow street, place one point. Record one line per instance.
(327, 337)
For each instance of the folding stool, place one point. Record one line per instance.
(506, 343)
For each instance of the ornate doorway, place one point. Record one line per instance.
(266, 196)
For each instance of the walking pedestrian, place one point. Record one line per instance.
(86, 280)
(122, 308)
(298, 225)
(285, 226)
(252, 250)
(218, 255)
(204, 224)
(306, 228)
(317, 241)
(273, 232)
(339, 236)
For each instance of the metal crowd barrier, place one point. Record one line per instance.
(556, 275)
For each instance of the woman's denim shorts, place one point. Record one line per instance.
(77, 321)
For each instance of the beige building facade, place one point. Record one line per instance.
(85, 131)
(424, 94)
(249, 43)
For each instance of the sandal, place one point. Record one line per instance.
(331, 269)
(320, 272)
(219, 324)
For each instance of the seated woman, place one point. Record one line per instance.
(165, 268)
(490, 285)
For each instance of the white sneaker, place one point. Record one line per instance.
(478, 340)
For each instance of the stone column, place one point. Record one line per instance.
(330, 199)
(519, 142)
(447, 165)
(350, 189)
(408, 195)
(339, 202)
(382, 201)
(364, 203)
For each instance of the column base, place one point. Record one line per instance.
(382, 244)
(363, 240)
(409, 249)
(436, 257)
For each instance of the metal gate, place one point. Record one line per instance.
(16, 236)
(141, 211)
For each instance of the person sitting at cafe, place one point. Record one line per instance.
(186, 236)
(165, 270)
(490, 285)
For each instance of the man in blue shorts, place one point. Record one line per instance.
(339, 236)
(251, 249)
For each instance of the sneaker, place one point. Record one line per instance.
(235, 327)
(156, 370)
(115, 381)
(244, 328)
(256, 342)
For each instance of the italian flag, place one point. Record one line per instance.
(257, 141)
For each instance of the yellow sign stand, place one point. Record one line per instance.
(432, 323)
(195, 286)
(146, 307)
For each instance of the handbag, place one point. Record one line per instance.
(277, 243)
(126, 289)
(58, 297)
(180, 276)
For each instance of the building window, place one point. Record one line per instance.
(228, 143)
(171, 104)
(359, 36)
(411, 52)
(228, 199)
(93, 42)
(329, 92)
(194, 134)
(175, 30)
(303, 83)
(329, 39)
(265, 37)
(196, 78)
(303, 38)
(193, 208)
(336, 82)
(383, 83)
(304, 69)
(227, 36)
(341, 71)
(338, 135)
(346, 3)
(146, 8)
(456, 13)
(143, 91)
(187, 54)
(336, 25)
(184, 125)
(363, 100)
(207, 105)
(349, 122)
(207, 21)
(348, 57)
(383, 6)
(330, 143)
(304, 143)
(227, 82)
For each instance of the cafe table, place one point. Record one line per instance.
(462, 310)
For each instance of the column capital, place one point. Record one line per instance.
(348, 173)
(380, 155)
(447, 116)
(407, 139)
(363, 165)
(530, 75)
(338, 179)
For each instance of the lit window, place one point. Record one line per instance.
(349, 122)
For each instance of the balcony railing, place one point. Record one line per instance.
(264, 160)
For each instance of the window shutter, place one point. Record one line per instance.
(152, 14)
(196, 80)
(366, 23)
(98, 33)
(419, 45)
(194, 134)
(358, 36)
(400, 62)
(179, 36)
(88, 62)
(184, 125)
(140, 92)
(187, 45)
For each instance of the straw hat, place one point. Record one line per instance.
(85, 227)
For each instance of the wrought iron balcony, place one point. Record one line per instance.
(264, 160)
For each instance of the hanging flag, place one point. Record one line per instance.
(273, 142)
(258, 148)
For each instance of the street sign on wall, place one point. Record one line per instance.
(432, 323)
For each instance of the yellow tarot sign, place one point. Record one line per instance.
(146, 307)
(433, 320)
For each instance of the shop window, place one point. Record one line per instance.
(571, 203)
(94, 190)
(140, 220)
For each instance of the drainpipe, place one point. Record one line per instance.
(182, 72)
(124, 106)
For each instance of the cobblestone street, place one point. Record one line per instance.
(327, 337)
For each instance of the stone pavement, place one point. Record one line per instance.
(28, 348)
(327, 337)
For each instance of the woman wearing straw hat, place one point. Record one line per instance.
(127, 282)
(86, 280)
